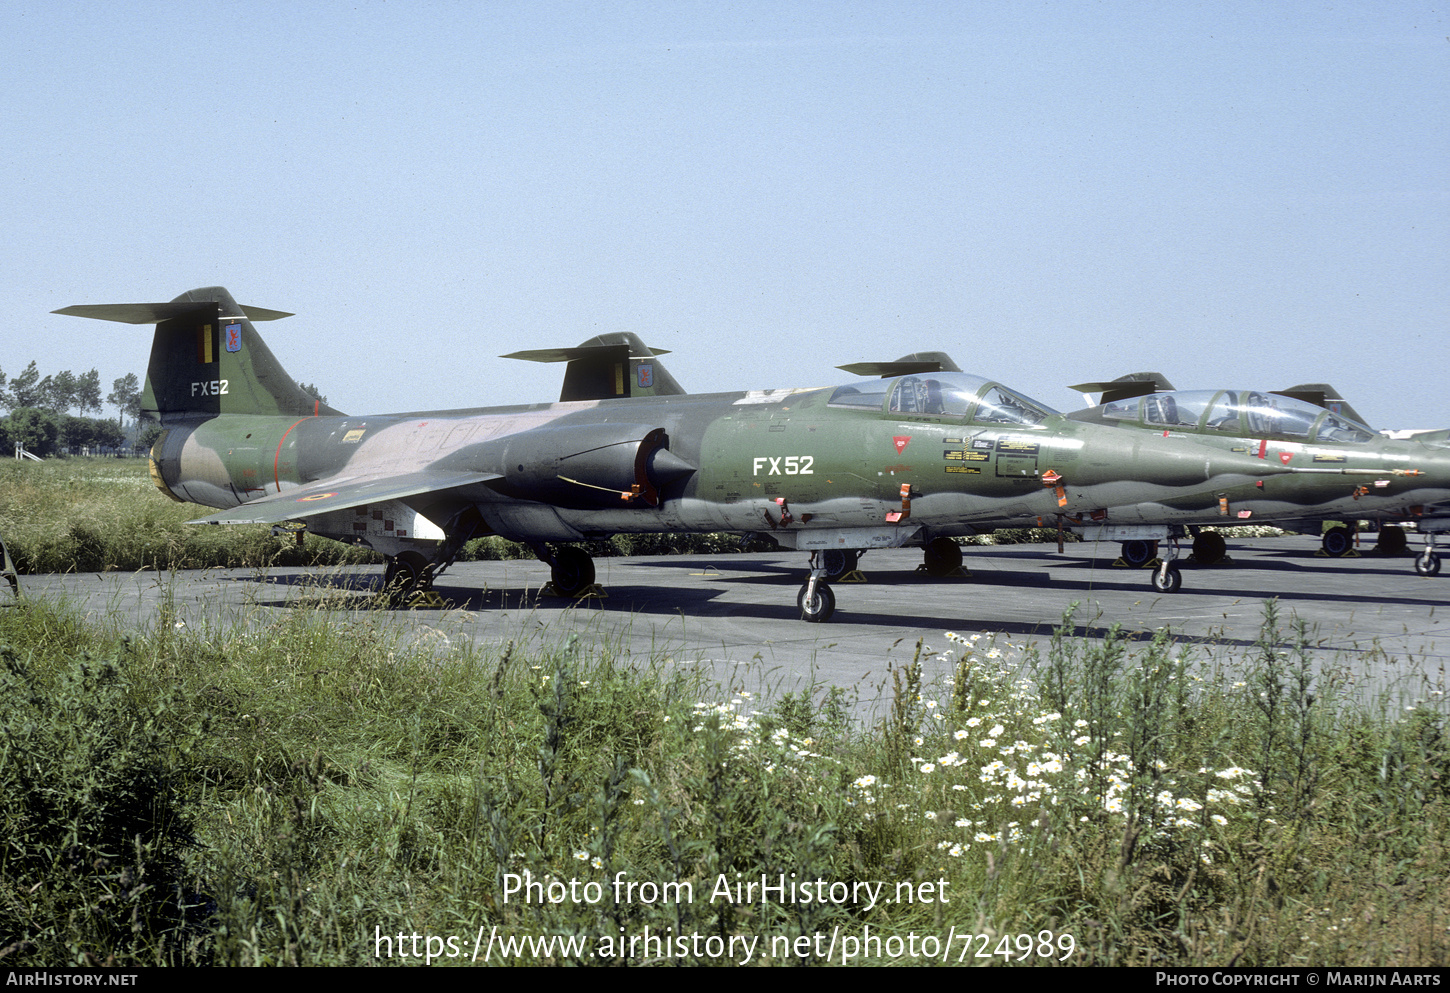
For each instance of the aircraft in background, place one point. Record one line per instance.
(917, 458)
(1309, 425)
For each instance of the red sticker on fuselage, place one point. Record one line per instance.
(901, 441)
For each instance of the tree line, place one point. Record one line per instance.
(39, 411)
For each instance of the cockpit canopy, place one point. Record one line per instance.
(951, 396)
(1238, 413)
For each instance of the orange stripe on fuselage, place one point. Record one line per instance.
(277, 459)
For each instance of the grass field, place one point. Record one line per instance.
(301, 789)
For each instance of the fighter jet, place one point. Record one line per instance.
(879, 463)
(1311, 426)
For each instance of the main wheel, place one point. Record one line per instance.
(1391, 540)
(1337, 542)
(1208, 547)
(819, 607)
(943, 557)
(1139, 553)
(1427, 564)
(405, 575)
(1167, 578)
(838, 562)
(573, 571)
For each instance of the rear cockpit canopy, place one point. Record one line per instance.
(950, 396)
(1236, 413)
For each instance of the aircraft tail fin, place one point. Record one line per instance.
(207, 358)
(1322, 395)
(908, 365)
(608, 367)
(1134, 384)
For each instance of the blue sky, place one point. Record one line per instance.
(1234, 194)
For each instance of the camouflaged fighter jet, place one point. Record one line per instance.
(1309, 426)
(870, 464)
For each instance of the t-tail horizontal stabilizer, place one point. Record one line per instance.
(207, 359)
(608, 367)
(1134, 384)
(908, 365)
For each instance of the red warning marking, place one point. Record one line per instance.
(901, 441)
(1263, 447)
(1284, 457)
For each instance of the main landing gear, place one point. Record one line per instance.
(1138, 552)
(571, 569)
(1337, 542)
(941, 557)
(405, 576)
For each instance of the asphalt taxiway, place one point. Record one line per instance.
(1369, 618)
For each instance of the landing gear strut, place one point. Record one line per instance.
(816, 601)
(1166, 577)
(1427, 563)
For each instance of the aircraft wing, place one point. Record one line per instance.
(342, 493)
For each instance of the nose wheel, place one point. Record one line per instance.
(815, 601)
(1427, 563)
(1166, 577)
(816, 605)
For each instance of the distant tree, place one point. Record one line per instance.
(146, 438)
(109, 433)
(37, 430)
(25, 390)
(125, 396)
(60, 394)
(88, 392)
(313, 392)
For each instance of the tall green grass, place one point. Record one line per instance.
(299, 786)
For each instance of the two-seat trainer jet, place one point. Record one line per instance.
(1308, 425)
(878, 463)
